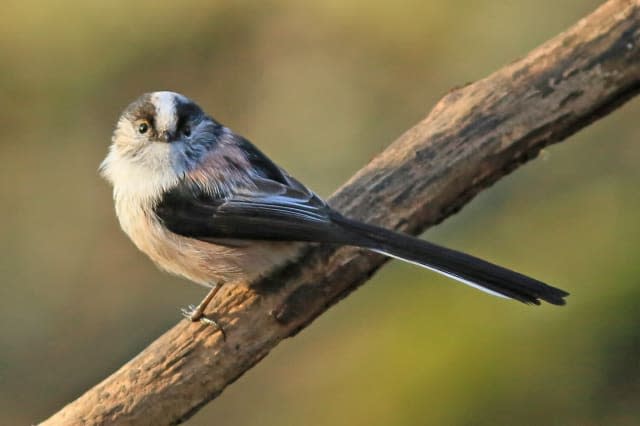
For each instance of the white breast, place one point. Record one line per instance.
(201, 262)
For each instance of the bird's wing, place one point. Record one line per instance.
(271, 210)
(273, 206)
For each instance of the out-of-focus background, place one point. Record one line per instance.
(321, 87)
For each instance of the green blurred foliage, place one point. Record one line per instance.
(321, 88)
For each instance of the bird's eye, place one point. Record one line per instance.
(186, 131)
(143, 128)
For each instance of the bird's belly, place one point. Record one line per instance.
(206, 263)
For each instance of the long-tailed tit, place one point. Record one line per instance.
(204, 203)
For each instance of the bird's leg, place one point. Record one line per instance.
(196, 313)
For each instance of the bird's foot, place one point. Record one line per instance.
(196, 314)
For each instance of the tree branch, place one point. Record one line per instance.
(473, 136)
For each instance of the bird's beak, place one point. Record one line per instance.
(165, 136)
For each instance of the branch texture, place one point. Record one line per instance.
(475, 135)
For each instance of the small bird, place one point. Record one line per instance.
(204, 203)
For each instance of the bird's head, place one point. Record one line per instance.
(159, 137)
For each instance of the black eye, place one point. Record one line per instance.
(143, 128)
(186, 131)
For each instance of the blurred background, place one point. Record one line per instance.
(321, 88)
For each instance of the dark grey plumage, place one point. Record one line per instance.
(279, 208)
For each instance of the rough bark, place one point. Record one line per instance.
(475, 135)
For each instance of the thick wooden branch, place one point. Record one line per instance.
(474, 136)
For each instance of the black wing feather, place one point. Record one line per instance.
(271, 211)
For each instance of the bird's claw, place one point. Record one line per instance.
(193, 314)
(190, 313)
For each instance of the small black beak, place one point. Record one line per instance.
(165, 136)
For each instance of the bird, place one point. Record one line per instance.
(206, 204)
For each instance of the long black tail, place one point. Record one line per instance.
(462, 267)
